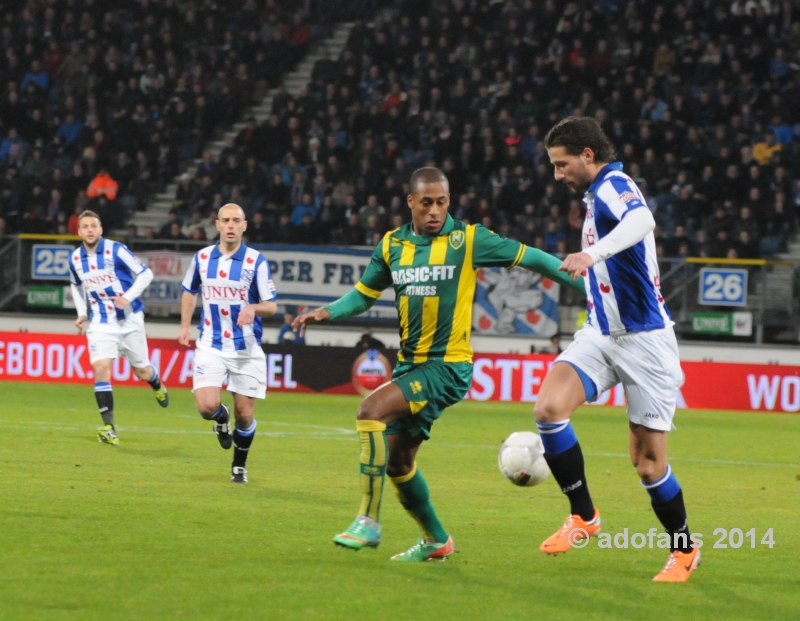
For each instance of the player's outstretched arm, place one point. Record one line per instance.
(350, 304)
(545, 264)
(310, 318)
(188, 304)
(634, 226)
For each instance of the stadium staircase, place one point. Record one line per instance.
(159, 207)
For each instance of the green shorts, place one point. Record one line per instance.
(429, 388)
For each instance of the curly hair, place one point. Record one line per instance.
(575, 133)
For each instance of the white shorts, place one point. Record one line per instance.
(125, 338)
(647, 364)
(246, 374)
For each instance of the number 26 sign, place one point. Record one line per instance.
(723, 287)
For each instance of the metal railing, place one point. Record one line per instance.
(771, 296)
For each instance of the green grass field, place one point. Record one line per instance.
(153, 529)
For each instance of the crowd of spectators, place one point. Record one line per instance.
(701, 100)
(102, 103)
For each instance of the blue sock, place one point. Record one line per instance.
(557, 437)
(565, 458)
(665, 489)
(666, 497)
(105, 401)
(242, 439)
(220, 413)
(155, 381)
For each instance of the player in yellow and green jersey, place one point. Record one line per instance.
(431, 263)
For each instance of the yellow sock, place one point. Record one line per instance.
(374, 453)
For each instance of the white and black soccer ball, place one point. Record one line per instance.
(521, 459)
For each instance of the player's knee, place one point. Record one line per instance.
(395, 470)
(208, 410)
(142, 373)
(649, 471)
(102, 371)
(244, 417)
(549, 410)
(368, 411)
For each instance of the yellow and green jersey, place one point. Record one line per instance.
(434, 285)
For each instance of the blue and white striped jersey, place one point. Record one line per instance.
(227, 285)
(109, 271)
(624, 291)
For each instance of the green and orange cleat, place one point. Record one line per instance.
(364, 532)
(426, 551)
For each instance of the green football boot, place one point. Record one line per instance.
(426, 551)
(107, 434)
(364, 532)
(162, 396)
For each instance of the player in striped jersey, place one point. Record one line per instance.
(107, 280)
(237, 290)
(628, 338)
(431, 263)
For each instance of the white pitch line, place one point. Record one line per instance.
(699, 460)
(340, 433)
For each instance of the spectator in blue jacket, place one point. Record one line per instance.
(306, 206)
(70, 130)
(36, 76)
(8, 142)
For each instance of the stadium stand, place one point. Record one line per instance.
(100, 95)
(701, 100)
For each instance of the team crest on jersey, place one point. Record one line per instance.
(247, 276)
(456, 239)
(109, 263)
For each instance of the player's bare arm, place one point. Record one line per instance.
(120, 301)
(188, 304)
(79, 323)
(574, 264)
(310, 318)
(251, 311)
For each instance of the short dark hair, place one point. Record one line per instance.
(575, 133)
(428, 174)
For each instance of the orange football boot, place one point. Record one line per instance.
(679, 566)
(574, 533)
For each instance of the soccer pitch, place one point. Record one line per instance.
(153, 529)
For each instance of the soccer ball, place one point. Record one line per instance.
(521, 459)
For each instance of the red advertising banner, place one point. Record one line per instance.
(62, 358)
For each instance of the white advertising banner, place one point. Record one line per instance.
(305, 276)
